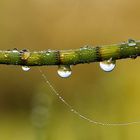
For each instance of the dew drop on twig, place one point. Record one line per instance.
(15, 50)
(64, 71)
(131, 42)
(25, 68)
(108, 65)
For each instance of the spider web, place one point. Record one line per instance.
(77, 113)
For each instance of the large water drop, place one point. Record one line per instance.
(64, 71)
(25, 68)
(107, 65)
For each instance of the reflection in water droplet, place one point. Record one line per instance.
(25, 68)
(108, 65)
(64, 71)
(131, 42)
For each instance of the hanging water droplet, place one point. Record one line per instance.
(131, 42)
(64, 71)
(25, 68)
(108, 65)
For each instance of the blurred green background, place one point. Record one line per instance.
(29, 110)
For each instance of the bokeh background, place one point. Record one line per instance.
(29, 110)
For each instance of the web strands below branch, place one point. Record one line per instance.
(78, 113)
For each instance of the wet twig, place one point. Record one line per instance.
(86, 54)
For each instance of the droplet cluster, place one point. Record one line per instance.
(65, 71)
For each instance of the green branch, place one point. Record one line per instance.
(86, 54)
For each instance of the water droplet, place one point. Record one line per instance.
(64, 71)
(49, 51)
(5, 55)
(108, 65)
(131, 42)
(25, 68)
(25, 55)
(60, 97)
(84, 48)
(15, 50)
(72, 110)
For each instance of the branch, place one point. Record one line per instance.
(86, 54)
